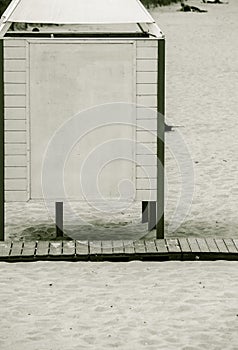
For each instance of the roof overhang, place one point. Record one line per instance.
(78, 12)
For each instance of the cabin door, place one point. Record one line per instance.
(66, 78)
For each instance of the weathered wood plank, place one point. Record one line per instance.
(15, 172)
(212, 245)
(194, 245)
(161, 246)
(129, 247)
(16, 249)
(146, 89)
(15, 184)
(173, 246)
(202, 245)
(150, 247)
(235, 242)
(142, 66)
(69, 248)
(20, 65)
(150, 195)
(146, 172)
(29, 249)
(55, 248)
(42, 248)
(146, 52)
(221, 245)
(118, 247)
(5, 248)
(95, 247)
(107, 247)
(16, 196)
(147, 100)
(15, 149)
(82, 248)
(230, 245)
(185, 247)
(140, 247)
(15, 77)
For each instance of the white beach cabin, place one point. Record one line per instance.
(82, 97)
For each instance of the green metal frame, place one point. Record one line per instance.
(160, 138)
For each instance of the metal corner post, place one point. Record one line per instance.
(160, 139)
(1, 143)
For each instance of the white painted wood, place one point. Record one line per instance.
(15, 125)
(146, 43)
(147, 65)
(146, 113)
(146, 77)
(146, 171)
(146, 148)
(15, 172)
(12, 42)
(15, 184)
(146, 136)
(14, 89)
(15, 77)
(146, 184)
(15, 113)
(146, 195)
(17, 52)
(16, 196)
(144, 159)
(146, 124)
(146, 89)
(15, 149)
(147, 101)
(15, 65)
(15, 137)
(15, 101)
(147, 52)
(19, 160)
(66, 78)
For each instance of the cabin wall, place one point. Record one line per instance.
(146, 83)
(16, 159)
(17, 167)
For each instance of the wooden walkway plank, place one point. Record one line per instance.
(173, 246)
(161, 246)
(140, 247)
(221, 245)
(107, 248)
(42, 248)
(194, 245)
(5, 248)
(230, 245)
(235, 241)
(16, 249)
(82, 248)
(56, 248)
(129, 247)
(69, 248)
(95, 247)
(150, 247)
(202, 245)
(29, 249)
(118, 247)
(212, 245)
(185, 247)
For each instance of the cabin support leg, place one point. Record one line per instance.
(160, 139)
(59, 219)
(144, 212)
(2, 199)
(151, 216)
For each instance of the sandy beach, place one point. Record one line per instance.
(172, 305)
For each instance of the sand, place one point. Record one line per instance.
(172, 305)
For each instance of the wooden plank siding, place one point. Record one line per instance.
(146, 124)
(16, 124)
(15, 79)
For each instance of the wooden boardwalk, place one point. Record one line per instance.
(158, 250)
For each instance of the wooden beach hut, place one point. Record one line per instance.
(61, 58)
